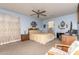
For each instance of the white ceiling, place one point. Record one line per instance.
(53, 9)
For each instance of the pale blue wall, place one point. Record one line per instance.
(24, 20)
(67, 19)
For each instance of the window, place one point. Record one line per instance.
(51, 24)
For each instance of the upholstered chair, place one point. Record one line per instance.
(73, 49)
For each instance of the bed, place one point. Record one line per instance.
(40, 37)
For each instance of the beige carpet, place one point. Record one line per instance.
(26, 48)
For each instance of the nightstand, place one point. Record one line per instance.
(24, 37)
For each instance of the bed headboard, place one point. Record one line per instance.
(31, 31)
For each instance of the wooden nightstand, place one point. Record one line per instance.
(24, 37)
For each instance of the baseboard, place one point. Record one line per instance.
(9, 42)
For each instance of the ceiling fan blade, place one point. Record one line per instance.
(35, 11)
(33, 14)
(38, 11)
(42, 11)
(43, 14)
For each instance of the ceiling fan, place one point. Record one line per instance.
(38, 13)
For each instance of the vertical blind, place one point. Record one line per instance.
(9, 29)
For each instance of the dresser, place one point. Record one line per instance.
(24, 37)
(67, 40)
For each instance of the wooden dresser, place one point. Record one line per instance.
(67, 40)
(24, 37)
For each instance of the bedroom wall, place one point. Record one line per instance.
(66, 18)
(24, 20)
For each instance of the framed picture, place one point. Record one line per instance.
(33, 24)
(62, 25)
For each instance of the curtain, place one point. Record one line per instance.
(9, 29)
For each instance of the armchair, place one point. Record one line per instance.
(73, 49)
(67, 40)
